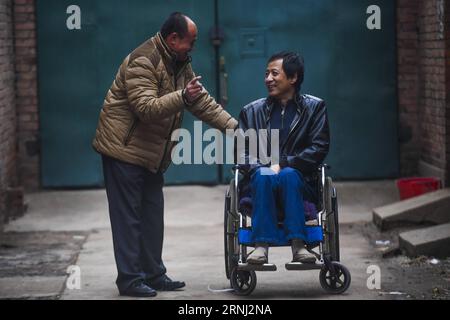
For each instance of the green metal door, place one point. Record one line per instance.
(77, 67)
(68, 95)
(351, 67)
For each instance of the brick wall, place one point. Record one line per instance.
(408, 85)
(8, 154)
(432, 85)
(27, 102)
(447, 69)
(422, 83)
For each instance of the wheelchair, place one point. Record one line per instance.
(322, 239)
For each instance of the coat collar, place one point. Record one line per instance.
(169, 56)
(270, 104)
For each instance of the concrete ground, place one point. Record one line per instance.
(77, 224)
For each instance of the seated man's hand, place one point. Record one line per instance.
(276, 168)
(193, 90)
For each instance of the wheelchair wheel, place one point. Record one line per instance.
(243, 282)
(335, 252)
(332, 222)
(336, 283)
(230, 240)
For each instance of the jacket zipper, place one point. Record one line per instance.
(167, 145)
(293, 128)
(130, 132)
(283, 110)
(171, 128)
(174, 120)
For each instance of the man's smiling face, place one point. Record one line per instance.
(277, 83)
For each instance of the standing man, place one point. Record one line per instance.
(145, 104)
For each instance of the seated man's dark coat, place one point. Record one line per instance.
(308, 141)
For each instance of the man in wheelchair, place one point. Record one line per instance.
(303, 145)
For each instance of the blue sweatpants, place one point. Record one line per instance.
(273, 192)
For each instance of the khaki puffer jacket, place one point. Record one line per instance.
(145, 105)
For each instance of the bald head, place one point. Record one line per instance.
(192, 27)
(180, 34)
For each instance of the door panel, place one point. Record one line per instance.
(68, 95)
(363, 102)
(76, 69)
(350, 67)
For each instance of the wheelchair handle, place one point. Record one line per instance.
(240, 168)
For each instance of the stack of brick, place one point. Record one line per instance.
(408, 85)
(432, 67)
(26, 93)
(8, 154)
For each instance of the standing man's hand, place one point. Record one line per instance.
(193, 90)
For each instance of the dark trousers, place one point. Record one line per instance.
(136, 209)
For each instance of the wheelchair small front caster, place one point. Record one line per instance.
(243, 282)
(336, 283)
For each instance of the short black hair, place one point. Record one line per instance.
(293, 64)
(176, 22)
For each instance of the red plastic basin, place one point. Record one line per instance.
(413, 187)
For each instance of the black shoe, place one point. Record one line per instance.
(164, 283)
(139, 289)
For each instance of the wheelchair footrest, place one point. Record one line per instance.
(295, 266)
(257, 267)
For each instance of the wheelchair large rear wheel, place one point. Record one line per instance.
(243, 282)
(230, 239)
(332, 222)
(336, 282)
